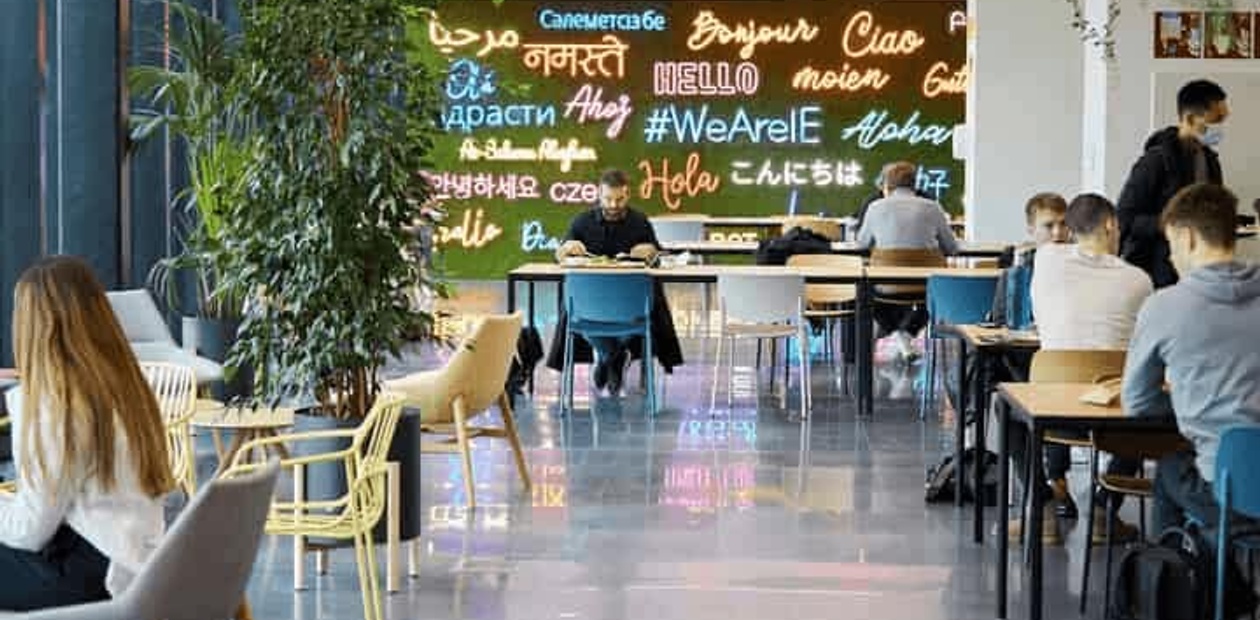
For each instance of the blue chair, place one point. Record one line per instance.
(1237, 490)
(608, 305)
(953, 300)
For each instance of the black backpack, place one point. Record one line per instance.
(940, 479)
(798, 240)
(1174, 579)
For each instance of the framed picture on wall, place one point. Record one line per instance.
(1179, 34)
(1228, 34)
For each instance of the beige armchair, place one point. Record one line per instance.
(470, 383)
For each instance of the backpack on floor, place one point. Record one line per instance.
(940, 479)
(1174, 579)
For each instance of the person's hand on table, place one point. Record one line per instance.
(644, 252)
(572, 247)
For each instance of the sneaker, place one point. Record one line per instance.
(599, 376)
(1123, 533)
(1050, 536)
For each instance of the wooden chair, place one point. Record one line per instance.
(471, 382)
(1137, 446)
(829, 302)
(349, 517)
(175, 387)
(901, 294)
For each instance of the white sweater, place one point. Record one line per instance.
(123, 524)
(1084, 301)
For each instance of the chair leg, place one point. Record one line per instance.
(1089, 531)
(1111, 525)
(372, 592)
(509, 425)
(773, 363)
(649, 372)
(804, 370)
(566, 377)
(465, 450)
(730, 373)
(393, 525)
(413, 557)
(299, 542)
(717, 374)
(243, 611)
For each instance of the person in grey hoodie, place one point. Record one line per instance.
(1200, 335)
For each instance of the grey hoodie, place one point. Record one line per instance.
(1205, 332)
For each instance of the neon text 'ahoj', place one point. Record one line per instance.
(875, 128)
(588, 105)
(705, 79)
(800, 125)
(816, 173)
(649, 20)
(707, 29)
(674, 185)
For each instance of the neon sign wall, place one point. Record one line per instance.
(728, 108)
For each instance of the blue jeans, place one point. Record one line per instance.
(68, 571)
(1180, 492)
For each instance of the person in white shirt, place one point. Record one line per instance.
(1084, 297)
(89, 447)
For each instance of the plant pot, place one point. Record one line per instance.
(326, 481)
(214, 339)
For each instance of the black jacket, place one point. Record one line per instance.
(1166, 166)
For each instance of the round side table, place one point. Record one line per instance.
(245, 424)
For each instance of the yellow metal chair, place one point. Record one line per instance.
(175, 387)
(471, 382)
(829, 302)
(351, 516)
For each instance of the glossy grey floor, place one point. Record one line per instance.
(734, 513)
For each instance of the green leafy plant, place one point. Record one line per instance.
(1102, 35)
(343, 122)
(197, 98)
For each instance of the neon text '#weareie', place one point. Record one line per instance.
(469, 80)
(692, 181)
(816, 173)
(534, 238)
(473, 232)
(449, 41)
(648, 20)
(800, 125)
(707, 29)
(466, 185)
(705, 79)
(844, 79)
(589, 58)
(940, 80)
(588, 104)
(875, 129)
(548, 149)
(473, 116)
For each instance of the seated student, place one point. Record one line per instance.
(1085, 297)
(902, 220)
(1044, 215)
(89, 447)
(876, 196)
(609, 229)
(1200, 335)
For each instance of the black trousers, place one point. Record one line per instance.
(68, 571)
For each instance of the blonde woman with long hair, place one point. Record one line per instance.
(88, 445)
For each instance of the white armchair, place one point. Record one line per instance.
(150, 338)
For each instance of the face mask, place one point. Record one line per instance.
(1212, 135)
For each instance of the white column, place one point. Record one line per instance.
(1024, 111)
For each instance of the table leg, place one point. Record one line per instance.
(960, 425)
(1033, 532)
(981, 412)
(865, 351)
(218, 443)
(239, 437)
(1004, 482)
(533, 325)
(511, 293)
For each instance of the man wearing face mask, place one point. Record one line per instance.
(610, 229)
(1174, 158)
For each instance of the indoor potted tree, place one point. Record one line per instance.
(197, 99)
(343, 119)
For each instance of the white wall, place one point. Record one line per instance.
(1131, 110)
(1024, 109)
